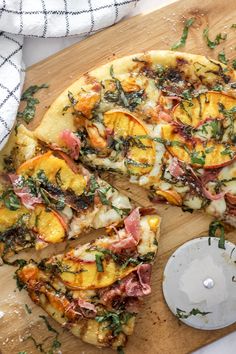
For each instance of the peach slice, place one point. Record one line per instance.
(47, 224)
(55, 169)
(79, 274)
(194, 152)
(201, 108)
(141, 154)
(171, 196)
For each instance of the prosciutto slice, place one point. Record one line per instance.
(85, 305)
(27, 199)
(72, 142)
(175, 169)
(141, 286)
(132, 224)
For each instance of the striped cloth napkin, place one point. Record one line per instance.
(44, 18)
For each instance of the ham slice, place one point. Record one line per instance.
(85, 305)
(72, 142)
(133, 233)
(175, 169)
(164, 116)
(27, 199)
(144, 275)
(141, 286)
(124, 243)
(132, 224)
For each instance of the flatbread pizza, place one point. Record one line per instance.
(164, 119)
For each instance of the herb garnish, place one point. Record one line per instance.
(233, 25)
(183, 314)
(215, 228)
(198, 157)
(28, 309)
(99, 259)
(222, 57)
(188, 23)
(234, 64)
(115, 320)
(126, 99)
(10, 199)
(28, 96)
(212, 44)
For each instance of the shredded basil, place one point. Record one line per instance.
(234, 64)
(28, 96)
(183, 314)
(128, 100)
(115, 320)
(10, 199)
(233, 25)
(198, 157)
(222, 58)
(28, 309)
(215, 228)
(218, 39)
(99, 259)
(188, 23)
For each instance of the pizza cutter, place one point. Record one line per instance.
(199, 283)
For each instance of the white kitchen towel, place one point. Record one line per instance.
(44, 18)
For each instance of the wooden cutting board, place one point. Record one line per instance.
(157, 330)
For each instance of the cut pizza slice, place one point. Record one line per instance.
(49, 198)
(95, 290)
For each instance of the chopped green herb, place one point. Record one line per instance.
(198, 157)
(28, 309)
(22, 353)
(222, 57)
(234, 64)
(183, 314)
(216, 229)
(10, 200)
(233, 25)
(115, 320)
(217, 87)
(188, 23)
(218, 39)
(28, 96)
(99, 259)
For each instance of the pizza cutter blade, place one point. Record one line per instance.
(199, 283)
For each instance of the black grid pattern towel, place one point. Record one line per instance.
(44, 18)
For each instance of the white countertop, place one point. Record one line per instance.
(36, 49)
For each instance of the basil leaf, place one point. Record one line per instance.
(184, 36)
(28, 96)
(10, 199)
(99, 259)
(215, 228)
(212, 44)
(183, 314)
(222, 57)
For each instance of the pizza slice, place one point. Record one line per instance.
(96, 289)
(49, 198)
(167, 120)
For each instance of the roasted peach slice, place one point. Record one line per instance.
(140, 157)
(81, 272)
(196, 153)
(56, 171)
(206, 106)
(170, 196)
(47, 224)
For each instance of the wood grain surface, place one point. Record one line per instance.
(157, 330)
